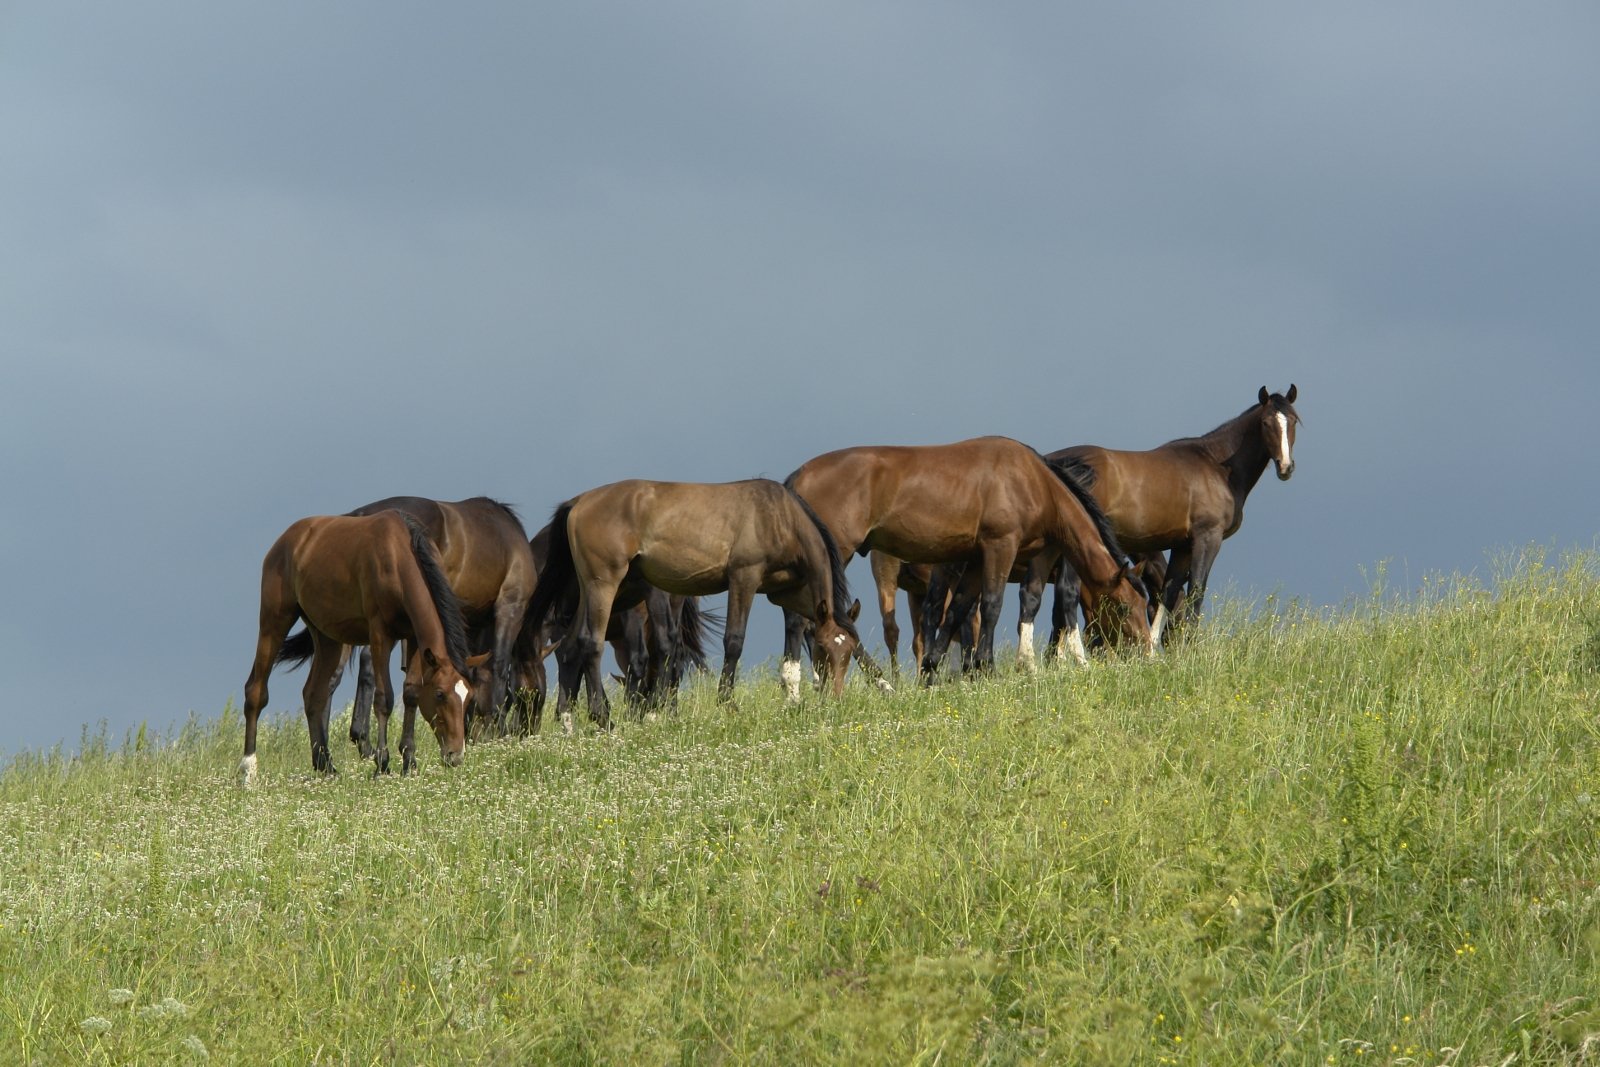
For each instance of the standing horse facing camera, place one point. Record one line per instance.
(990, 500)
(1186, 495)
(361, 580)
(692, 539)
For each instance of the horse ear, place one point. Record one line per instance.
(1264, 394)
(430, 662)
(1291, 394)
(479, 660)
(824, 611)
(855, 610)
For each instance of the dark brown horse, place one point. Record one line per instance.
(990, 501)
(361, 580)
(1186, 495)
(692, 539)
(486, 558)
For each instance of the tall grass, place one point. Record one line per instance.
(1361, 836)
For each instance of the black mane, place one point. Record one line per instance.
(841, 585)
(1078, 477)
(444, 599)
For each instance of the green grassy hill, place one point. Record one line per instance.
(1361, 837)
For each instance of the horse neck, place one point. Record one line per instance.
(1237, 448)
(426, 625)
(1075, 528)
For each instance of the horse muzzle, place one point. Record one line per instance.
(1285, 471)
(452, 759)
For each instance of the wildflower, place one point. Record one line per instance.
(196, 1047)
(95, 1024)
(120, 996)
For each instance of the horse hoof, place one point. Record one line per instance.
(247, 772)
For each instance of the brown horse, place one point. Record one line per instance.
(990, 500)
(486, 558)
(691, 539)
(361, 580)
(1186, 495)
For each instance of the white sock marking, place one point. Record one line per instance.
(789, 672)
(883, 685)
(1159, 625)
(247, 771)
(1025, 644)
(1075, 645)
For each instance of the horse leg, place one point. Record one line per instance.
(382, 702)
(276, 619)
(1030, 595)
(508, 611)
(936, 635)
(795, 628)
(318, 696)
(569, 675)
(742, 586)
(915, 605)
(666, 647)
(1066, 617)
(588, 635)
(410, 685)
(1178, 572)
(886, 577)
(997, 561)
(1206, 547)
(361, 709)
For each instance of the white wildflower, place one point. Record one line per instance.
(95, 1024)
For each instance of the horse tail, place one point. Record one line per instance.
(1078, 477)
(439, 591)
(693, 625)
(841, 584)
(297, 648)
(557, 576)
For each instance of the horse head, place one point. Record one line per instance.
(1278, 422)
(1120, 611)
(833, 644)
(442, 697)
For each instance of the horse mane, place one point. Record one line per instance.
(841, 584)
(555, 576)
(1276, 401)
(1078, 477)
(439, 591)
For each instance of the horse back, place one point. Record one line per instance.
(1155, 498)
(343, 570)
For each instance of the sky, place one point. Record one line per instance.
(259, 262)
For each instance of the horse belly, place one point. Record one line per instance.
(686, 573)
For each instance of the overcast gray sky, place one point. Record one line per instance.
(272, 260)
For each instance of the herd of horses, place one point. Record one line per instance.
(478, 605)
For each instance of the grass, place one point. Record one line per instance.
(1362, 836)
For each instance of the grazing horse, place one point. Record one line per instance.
(486, 558)
(692, 539)
(361, 580)
(1186, 495)
(990, 500)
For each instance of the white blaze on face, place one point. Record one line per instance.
(1286, 462)
(789, 672)
(462, 691)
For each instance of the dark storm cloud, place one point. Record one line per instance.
(267, 262)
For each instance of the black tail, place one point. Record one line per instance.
(1078, 476)
(841, 585)
(439, 591)
(693, 625)
(297, 648)
(559, 574)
